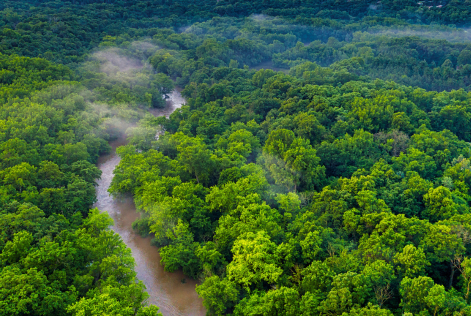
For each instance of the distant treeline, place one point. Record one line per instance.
(433, 57)
(63, 31)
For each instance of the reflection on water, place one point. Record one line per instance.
(165, 289)
(174, 102)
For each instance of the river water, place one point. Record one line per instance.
(173, 292)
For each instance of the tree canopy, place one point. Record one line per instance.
(319, 166)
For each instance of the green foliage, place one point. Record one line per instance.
(52, 265)
(318, 191)
(339, 185)
(56, 256)
(181, 253)
(255, 260)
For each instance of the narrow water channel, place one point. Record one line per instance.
(172, 292)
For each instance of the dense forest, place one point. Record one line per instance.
(320, 166)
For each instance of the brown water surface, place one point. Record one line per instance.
(172, 292)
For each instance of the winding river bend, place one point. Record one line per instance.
(172, 292)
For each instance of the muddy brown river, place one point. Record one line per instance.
(173, 293)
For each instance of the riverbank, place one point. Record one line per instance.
(173, 292)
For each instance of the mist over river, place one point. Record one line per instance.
(173, 293)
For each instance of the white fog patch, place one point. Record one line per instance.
(261, 17)
(143, 48)
(428, 32)
(113, 61)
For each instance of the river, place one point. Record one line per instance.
(173, 293)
